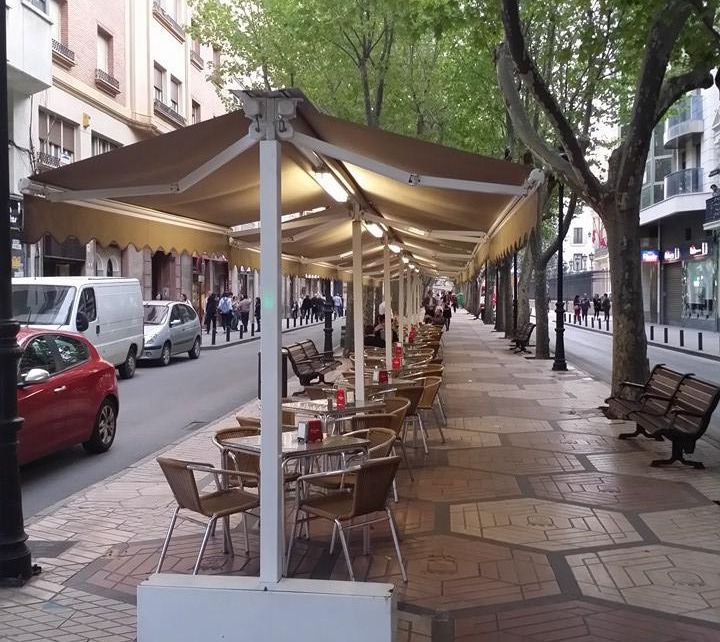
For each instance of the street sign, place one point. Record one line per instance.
(712, 209)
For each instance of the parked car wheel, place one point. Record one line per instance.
(104, 430)
(166, 354)
(195, 352)
(127, 369)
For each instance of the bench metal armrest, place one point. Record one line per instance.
(689, 413)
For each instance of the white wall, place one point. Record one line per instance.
(584, 220)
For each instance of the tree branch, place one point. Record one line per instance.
(530, 75)
(675, 87)
(521, 122)
(567, 220)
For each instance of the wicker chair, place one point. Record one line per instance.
(414, 394)
(430, 370)
(220, 504)
(429, 397)
(348, 510)
(394, 418)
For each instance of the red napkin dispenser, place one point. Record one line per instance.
(315, 432)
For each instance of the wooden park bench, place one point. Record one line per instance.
(521, 339)
(653, 396)
(306, 369)
(684, 421)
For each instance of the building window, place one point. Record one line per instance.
(175, 85)
(104, 51)
(102, 145)
(40, 4)
(577, 236)
(159, 83)
(56, 11)
(195, 112)
(57, 137)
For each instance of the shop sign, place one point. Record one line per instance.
(649, 256)
(712, 209)
(669, 256)
(697, 250)
(16, 212)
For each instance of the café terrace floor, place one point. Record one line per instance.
(532, 523)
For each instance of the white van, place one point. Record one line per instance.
(108, 311)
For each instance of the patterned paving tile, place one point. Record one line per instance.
(413, 628)
(621, 492)
(530, 394)
(549, 526)
(462, 439)
(597, 426)
(513, 460)
(499, 424)
(696, 527)
(572, 402)
(661, 578)
(450, 573)
(444, 484)
(577, 621)
(572, 442)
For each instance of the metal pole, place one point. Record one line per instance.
(358, 330)
(329, 307)
(515, 293)
(401, 304)
(15, 565)
(559, 362)
(388, 305)
(272, 534)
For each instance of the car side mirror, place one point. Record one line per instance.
(36, 375)
(81, 322)
(174, 322)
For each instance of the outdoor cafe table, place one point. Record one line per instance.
(327, 409)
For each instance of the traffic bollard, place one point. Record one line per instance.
(665, 335)
(586, 322)
(287, 323)
(682, 338)
(214, 334)
(252, 328)
(652, 333)
(592, 322)
(294, 322)
(700, 341)
(227, 333)
(241, 331)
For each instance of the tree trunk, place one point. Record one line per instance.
(524, 288)
(508, 294)
(542, 337)
(629, 342)
(499, 299)
(489, 288)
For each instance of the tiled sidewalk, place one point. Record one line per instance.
(532, 523)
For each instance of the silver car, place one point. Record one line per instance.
(171, 328)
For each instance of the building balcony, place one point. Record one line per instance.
(685, 181)
(45, 161)
(685, 124)
(196, 59)
(106, 82)
(29, 46)
(165, 19)
(168, 113)
(62, 54)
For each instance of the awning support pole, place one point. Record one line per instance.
(358, 326)
(388, 305)
(401, 305)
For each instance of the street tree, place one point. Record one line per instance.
(659, 50)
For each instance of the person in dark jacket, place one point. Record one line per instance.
(605, 304)
(305, 308)
(257, 311)
(447, 314)
(211, 307)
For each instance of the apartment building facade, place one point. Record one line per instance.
(87, 77)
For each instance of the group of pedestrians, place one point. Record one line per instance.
(439, 310)
(313, 308)
(581, 307)
(231, 311)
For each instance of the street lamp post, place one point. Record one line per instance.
(559, 362)
(15, 565)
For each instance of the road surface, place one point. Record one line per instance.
(157, 407)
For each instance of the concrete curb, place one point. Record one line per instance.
(221, 343)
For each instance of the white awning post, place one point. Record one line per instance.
(408, 298)
(388, 305)
(358, 327)
(270, 120)
(401, 305)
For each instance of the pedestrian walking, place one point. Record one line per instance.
(605, 304)
(294, 309)
(597, 305)
(584, 306)
(211, 306)
(225, 310)
(337, 301)
(447, 314)
(453, 300)
(244, 306)
(305, 308)
(576, 308)
(257, 311)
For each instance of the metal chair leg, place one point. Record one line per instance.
(228, 545)
(333, 539)
(396, 542)
(291, 542)
(167, 540)
(346, 552)
(395, 492)
(442, 409)
(423, 433)
(407, 461)
(245, 529)
(211, 523)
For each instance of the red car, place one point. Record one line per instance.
(66, 394)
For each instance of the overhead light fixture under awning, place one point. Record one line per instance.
(331, 185)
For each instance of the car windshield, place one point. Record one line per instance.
(42, 304)
(155, 314)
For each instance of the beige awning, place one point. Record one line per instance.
(192, 185)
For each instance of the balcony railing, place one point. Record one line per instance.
(168, 113)
(63, 54)
(196, 59)
(172, 25)
(47, 161)
(685, 121)
(107, 82)
(685, 181)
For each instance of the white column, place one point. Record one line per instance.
(234, 283)
(388, 305)
(359, 335)
(401, 304)
(408, 289)
(272, 536)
